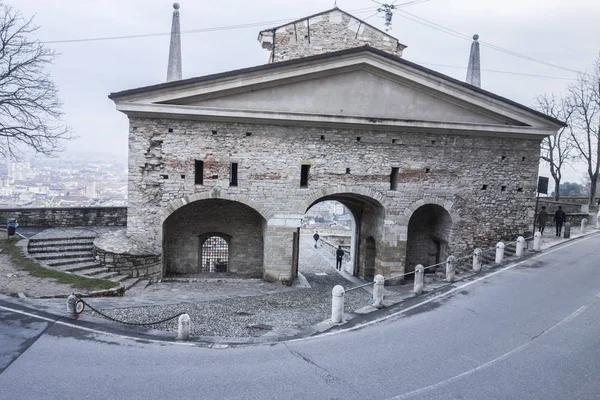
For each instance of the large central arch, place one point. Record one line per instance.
(187, 229)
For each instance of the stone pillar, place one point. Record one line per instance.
(174, 64)
(598, 220)
(337, 304)
(537, 241)
(567, 230)
(450, 269)
(499, 253)
(378, 291)
(184, 327)
(477, 260)
(279, 249)
(520, 246)
(72, 307)
(583, 226)
(419, 275)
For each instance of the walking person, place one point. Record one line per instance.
(559, 219)
(316, 237)
(542, 219)
(339, 256)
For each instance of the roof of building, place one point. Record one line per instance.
(366, 48)
(327, 12)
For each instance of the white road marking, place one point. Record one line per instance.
(489, 363)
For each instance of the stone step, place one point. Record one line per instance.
(34, 245)
(75, 261)
(130, 282)
(62, 249)
(76, 255)
(94, 271)
(106, 275)
(80, 266)
(54, 240)
(119, 278)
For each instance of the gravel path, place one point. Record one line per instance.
(256, 315)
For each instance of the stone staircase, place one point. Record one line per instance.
(75, 255)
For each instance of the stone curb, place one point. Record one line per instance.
(275, 336)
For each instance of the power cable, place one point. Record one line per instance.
(213, 29)
(500, 72)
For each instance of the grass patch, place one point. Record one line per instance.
(76, 281)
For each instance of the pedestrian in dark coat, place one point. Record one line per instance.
(316, 237)
(542, 219)
(339, 256)
(559, 217)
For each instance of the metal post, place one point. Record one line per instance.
(378, 291)
(419, 275)
(537, 241)
(337, 304)
(477, 260)
(520, 246)
(450, 269)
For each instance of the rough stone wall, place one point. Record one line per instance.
(486, 183)
(428, 224)
(184, 228)
(66, 216)
(327, 33)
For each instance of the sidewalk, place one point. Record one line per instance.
(253, 311)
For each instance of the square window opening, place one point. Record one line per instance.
(170, 130)
(358, 138)
(519, 189)
(214, 132)
(484, 187)
(503, 158)
(182, 176)
(165, 176)
(322, 137)
(393, 141)
(427, 170)
(248, 134)
(347, 170)
(503, 188)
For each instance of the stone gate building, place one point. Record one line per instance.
(427, 165)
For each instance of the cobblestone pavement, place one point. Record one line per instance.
(240, 308)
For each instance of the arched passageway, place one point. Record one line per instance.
(429, 233)
(357, 227)
(214, 236)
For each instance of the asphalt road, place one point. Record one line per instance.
(528, 332)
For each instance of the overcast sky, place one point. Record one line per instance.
(560, 32)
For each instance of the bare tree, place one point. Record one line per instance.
(30, 110)
(584, 97)
(557, 150)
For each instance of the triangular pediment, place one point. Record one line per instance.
(358, 93)
(359, 87)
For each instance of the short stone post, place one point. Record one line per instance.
(477, 260)
(419, 275)
(567, 230)
(337, 304)
(378, 291)
(583, 226)
(72, 307)
(520, 246)
(184, 327)
(499, 253)
(537, 241)
(450, 269)
(598, 220)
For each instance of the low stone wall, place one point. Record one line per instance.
(332, 248)
(66, 216)
(117, 253)
(552, 206)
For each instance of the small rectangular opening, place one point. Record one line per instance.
(519, 189)
(503, 188)
(322, 137)
(523, 159)
(427, 170)
(248, 134)
(503, 158)
(393, 141)
(484, 187)
(165, 176)
(182, 176)
(304, 175)
(214, 132)
(358, 138)
(347, 170)
(135, 128)
(215, 176)
(233, 174)
(170, 130)
(394, 179)
(433, 142)
(199, 173)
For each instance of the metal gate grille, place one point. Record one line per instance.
(215, 253)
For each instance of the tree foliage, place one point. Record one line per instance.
(30, 111)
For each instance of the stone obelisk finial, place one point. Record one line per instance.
(174, 68)
(474, 69)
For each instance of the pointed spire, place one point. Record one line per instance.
(174, 68)
(474, 69)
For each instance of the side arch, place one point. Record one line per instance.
(317, 195)
(444, 203)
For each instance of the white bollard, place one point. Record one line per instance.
(378, 291)
(520, 246)
(184, 327)
(337, 304)
(477, 260)
(598, 220)
(72, 307)
(537, 241)
(583, 226)
(499, 253)
(419, 275)
(450, 269)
